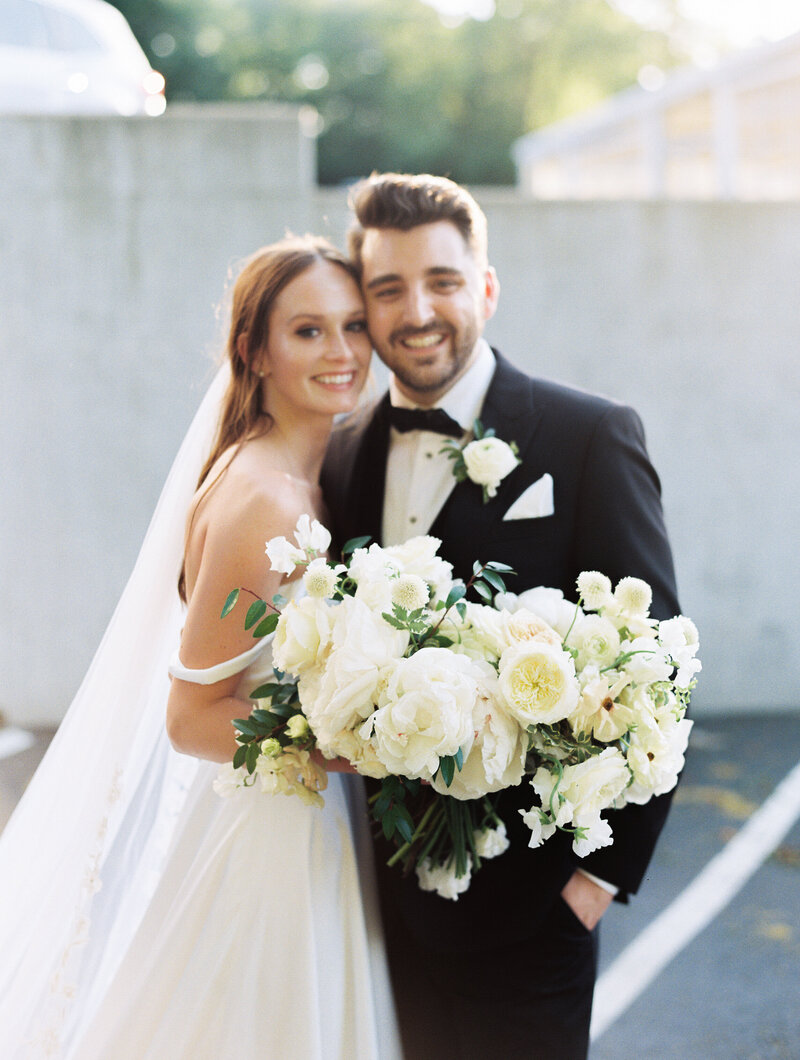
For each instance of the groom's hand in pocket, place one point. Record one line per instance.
(587, 900)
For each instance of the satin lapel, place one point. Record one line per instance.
(509, 409)
(369, 474)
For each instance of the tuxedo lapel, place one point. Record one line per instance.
(365, 501)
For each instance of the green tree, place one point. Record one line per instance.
(395, 85)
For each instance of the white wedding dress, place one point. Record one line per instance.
(262, 940)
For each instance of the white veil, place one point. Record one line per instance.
(82, 853)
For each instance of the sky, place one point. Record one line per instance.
(739, 22)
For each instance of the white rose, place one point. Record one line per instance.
(481, 634)
(362, 647)
(596, 641)
(525, 625)
(443, 879)
(491, 842)
(419, 556)
(538, 682)
(302, 635)
(297, 727)
(549, 604)
(488, 461)
(311, 535)
(425, 712)
(497, 758)
(283, 557)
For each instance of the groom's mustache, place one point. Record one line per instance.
(435, 326)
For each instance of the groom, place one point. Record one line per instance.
(508, 969)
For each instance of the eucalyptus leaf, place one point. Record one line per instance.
(267, 626)
(254, 613)
(230, 602)
(494, 580)
(239, 757)
(483, 591)
(458, 591)
(354, 543)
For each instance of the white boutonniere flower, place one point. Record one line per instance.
(486, 460)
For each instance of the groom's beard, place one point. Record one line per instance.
(436, 372)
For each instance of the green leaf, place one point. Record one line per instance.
(494, 580)
(483, 591)
(404, 824)
(265, 691)
(245, 727)
(447, 767)
(461, 607)
(238, 758)
(267, 626)
(230, 603)
(354, 543)
(251, 756)
(254, 612)
(458, 758)
(458, 591)
(494, 564)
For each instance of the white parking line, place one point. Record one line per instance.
(12, 741)
(705, 897)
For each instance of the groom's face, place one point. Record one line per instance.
(427, 302)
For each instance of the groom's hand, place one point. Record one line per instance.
(587, 900)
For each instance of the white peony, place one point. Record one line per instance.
(596, 640)
(497, 758)
(488, 461)
(425, 712)
(363, 648)
(302, 635)
(311, 535)
(538, 682)
(548, 604)
(359, 752)
(443, 879)
(491, 842)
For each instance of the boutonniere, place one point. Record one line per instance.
(486, 460)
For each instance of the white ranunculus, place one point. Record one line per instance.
(599, 711)
(481, 634)
(443, 879)
(549, 604)
(363, 648)
(410, 592)
(491, 842)
(419, 556)
(302, 635)
(648, 662)
(595, 590)
(656, 758)
(283, 556)
(425, 712)
(311, 535)
(320, 578)
(488, 461)
(538, 682)
(596, 641)
(497, 758)
(297, 727)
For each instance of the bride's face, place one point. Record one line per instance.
(318, 350)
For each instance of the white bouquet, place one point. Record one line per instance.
(386, 663)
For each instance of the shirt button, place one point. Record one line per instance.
(429, 456)
(412, 519)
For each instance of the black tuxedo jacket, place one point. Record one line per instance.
(607, 517)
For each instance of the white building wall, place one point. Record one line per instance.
(115, 239)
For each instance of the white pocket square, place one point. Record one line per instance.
(535, 502)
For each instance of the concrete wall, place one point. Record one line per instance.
(115, 240)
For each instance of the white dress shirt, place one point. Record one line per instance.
(419, 477)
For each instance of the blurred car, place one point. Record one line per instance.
(73, 57)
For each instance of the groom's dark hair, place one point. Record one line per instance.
(405, 200)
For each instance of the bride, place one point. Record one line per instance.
(142, 916)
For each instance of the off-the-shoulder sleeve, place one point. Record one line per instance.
(211, 674)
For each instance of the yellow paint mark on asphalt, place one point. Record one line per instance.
(775, 931)
(727, 800)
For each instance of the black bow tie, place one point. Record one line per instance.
(435, 420)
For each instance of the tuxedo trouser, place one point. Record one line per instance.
(529, 1001)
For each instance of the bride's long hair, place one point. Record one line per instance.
(262, 278)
